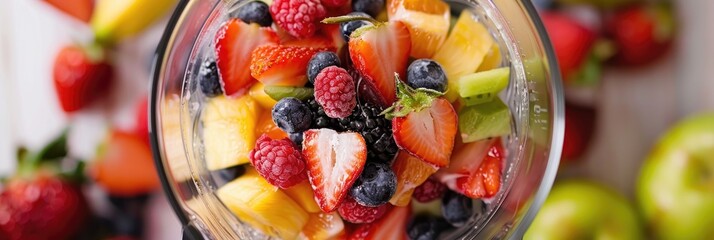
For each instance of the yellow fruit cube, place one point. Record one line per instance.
(229, 130)
(302, 194)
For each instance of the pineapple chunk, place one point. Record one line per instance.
(302, 194)
(257, 92)
(492, 60)
(464, 51)
(428, 22)
(229, 131)
(263, 206)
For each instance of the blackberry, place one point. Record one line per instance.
(376, 130)
(320, 119)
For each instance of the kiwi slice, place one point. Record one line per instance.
(478, 99)
(485, 84)
(482, 121)
(280, 92)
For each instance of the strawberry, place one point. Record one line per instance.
(141, 127)
(235, 42)
(571, 40)
(392, 226)
(284, 65)
(378, 52)
(124, 166)
(79, 9)
(423, 125)
(334, 162)
(579, 129)
(641, 33)
(475, 169)
(80, 76)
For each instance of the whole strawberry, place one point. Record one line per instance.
(80, 76)
(44, 207)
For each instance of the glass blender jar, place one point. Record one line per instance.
(534, 97)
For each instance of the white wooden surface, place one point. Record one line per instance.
(635, 106)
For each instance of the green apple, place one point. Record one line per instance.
(585, 210)
(676, 186)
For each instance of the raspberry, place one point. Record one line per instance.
(298, 17)
(353, 212)
(335, 3)
(278, 161)
(335, 92)
(429, 190)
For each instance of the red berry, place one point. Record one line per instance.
(278, 161)
(298, 17)
(335, 3)
(80, 77)
(353, 212)
(428, 191)
(335, 92)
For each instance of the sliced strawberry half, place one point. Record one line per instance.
(377, 54)
(481, 180)
(283, 65)
(391, 226)
(235, 42)
(334, 161)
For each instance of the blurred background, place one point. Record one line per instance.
(638, 154)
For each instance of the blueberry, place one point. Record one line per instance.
(371, 7)
(424, 227)
(346, 28)
(456, 208)
(320, 61)
(254, 12)
(426, 73)
(375, 186)
(296, 138)
(291, 115)
(223, 176)
(208, 79)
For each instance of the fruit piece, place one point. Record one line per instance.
(209, 81)
(298, 17)
(426, 227)
(428, 22)
(320, 61)
(263, 206)
(302, 194)
(467, 157)
(571, 41)
(278, 161)
(456, 208)
(335, 92)
(377, 53)
(229, 130)
(674, 188)
(332, 32)
(323, 226)
(392, 226)
(483, 121)
(317, 41)
(297, 138)
(42, 207)
(487, 83)
(258, 93)
(486, 181)
(335, 161)
(279, 92)
(432, 208)
(425, 73)
(423, 125)
(430, 190)
(335, 3)
(641, 33)
(371, 7)
(235, 43)
(265, 125)
(351, 211)
(593, 212)
(375, 186)
(79, 9)
(282, 65)
(114, 20)
(254, 12)
(141, 126)
(320, 119)
(475, 169)
(121, 154)
(463, 51)
(376, 130)
(347, 28)
(291, 115)
(411, 172)
(579, 130)
(492, 59)
(80, 76)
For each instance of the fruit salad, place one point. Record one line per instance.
(359, 119)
